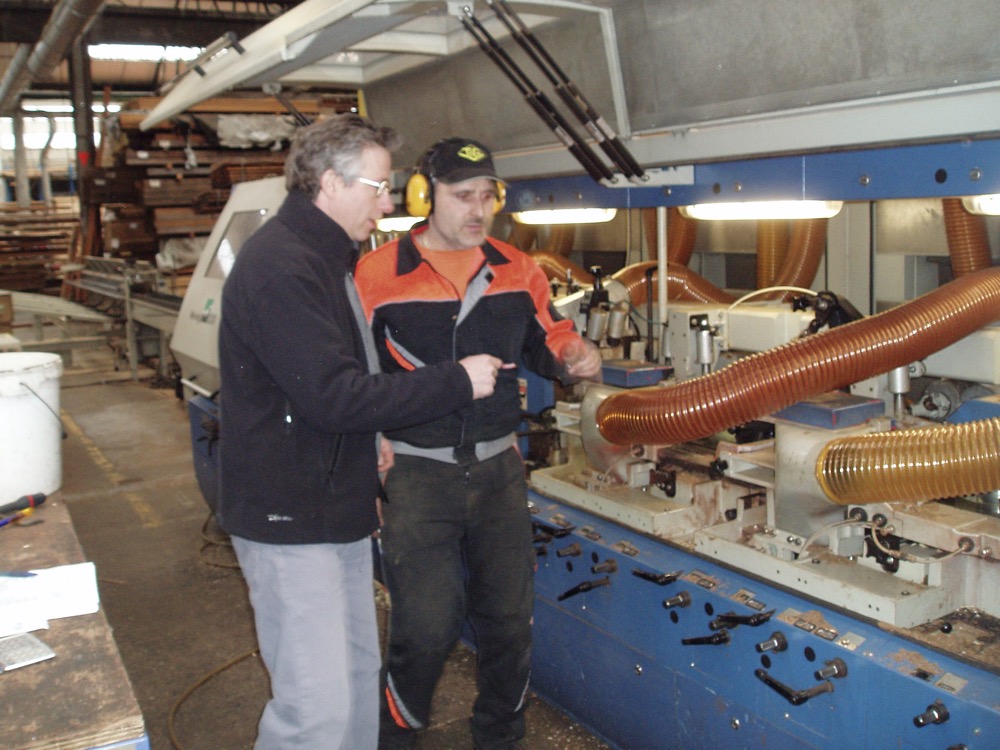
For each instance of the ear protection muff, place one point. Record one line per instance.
(501, 200)
(419, 195)
(419, 191)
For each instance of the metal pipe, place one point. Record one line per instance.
(574, 99)
(44, 178)
(661, 281)
(538, 101)
(22, 188)
(69, 20)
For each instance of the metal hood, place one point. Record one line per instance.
(683, 82)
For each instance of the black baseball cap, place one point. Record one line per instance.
(458, 159)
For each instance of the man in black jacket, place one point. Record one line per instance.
(301, 405)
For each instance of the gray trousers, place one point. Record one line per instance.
(315, 614)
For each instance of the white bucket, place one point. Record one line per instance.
(30, 428)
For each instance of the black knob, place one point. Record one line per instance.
(777, 642)
(936, 713)
(682, 599)
(835, 668)
(608, 566)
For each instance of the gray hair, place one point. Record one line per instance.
(335, 143)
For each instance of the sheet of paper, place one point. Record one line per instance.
(51, 593)
(12, 623)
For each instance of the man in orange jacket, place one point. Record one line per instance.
(456, 535)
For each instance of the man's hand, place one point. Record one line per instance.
(482, 370)
(582, 359)
(386, 456)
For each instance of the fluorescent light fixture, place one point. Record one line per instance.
(566, 216)
(397, 223)
(762, 210)
(986, 205)
(142, 52)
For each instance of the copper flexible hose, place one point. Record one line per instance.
(560, 240)
(806, 248)
(772, 247)
(683, 284)
(925, 464)
(556, 266)
(968, 243)
(682, 233)
(522, 236)
(912, 465)
(762, 383)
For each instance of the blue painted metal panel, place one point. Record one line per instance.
(203, 418)
(613, 657)
(967, 167)
(976, 409)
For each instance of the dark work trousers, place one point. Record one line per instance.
(456, 543)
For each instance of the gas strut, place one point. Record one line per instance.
(578, 104)
(537, 100)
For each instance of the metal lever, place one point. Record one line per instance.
(660, 579)
(608, 566)
(936, 713)
(731, 620)
(716, 639)
(682, 599)
(777, 642)
(795, 697)
(584, 586)
(555, 531)
(835, 668)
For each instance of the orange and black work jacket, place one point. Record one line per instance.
(418, 320)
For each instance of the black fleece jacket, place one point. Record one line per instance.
(298, 408)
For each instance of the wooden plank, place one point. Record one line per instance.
(182, 221)
(229, 172)
(173, 192)
(178, 158)
(234, 105)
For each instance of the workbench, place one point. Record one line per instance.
(82, 699)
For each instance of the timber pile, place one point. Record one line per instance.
(35, 241)
(227, 174)
(173, 181)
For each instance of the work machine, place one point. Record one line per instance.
(775, 522)
(779, 530)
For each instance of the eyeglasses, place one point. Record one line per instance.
(381, 188)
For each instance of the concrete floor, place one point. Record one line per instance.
(169, 583)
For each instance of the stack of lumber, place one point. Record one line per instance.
(174, 180)
(35, 240)
(127, 232)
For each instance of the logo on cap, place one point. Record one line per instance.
(471, 152)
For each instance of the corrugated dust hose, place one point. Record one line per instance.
(760, 384)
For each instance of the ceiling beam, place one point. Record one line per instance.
(22, 23)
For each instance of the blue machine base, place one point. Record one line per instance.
(203, 418)
(613, 657)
